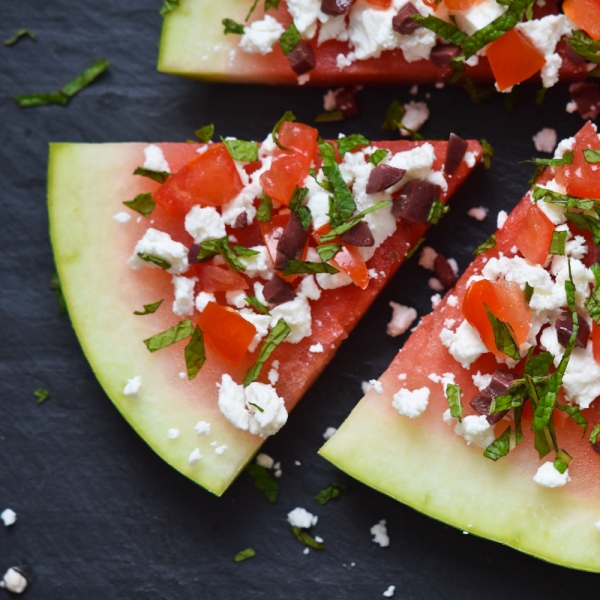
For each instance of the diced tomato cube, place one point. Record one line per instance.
(586, 13)
(534, 236)
(218, 279)
(286, 172)
(226, 332)
(513, 59)
(506, 301)
(210, 179)
(580, 177)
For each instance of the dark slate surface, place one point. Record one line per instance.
(100, 516)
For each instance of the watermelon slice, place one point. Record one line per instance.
(193, 45)
(422, 462)
(87, 185)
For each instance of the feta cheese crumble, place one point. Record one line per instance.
(14, 581)
(316, 348)
(402, 318)
(204, 224)
(264, 460)
(202, 428)
(183, 305)
(132, 388)
(300, 517)
(155, 159)
(464, 344)
(545, 140)
(122, 217)
(380, 535)
(173, 434)
(502, 216)
(474, 428)
(478, 212)
(259, 37)
(220, 450)
(195, 457)
(548, 476)
(8, 516)
(413, 403)
(160, 245)
(376, 385)
(390, 591)
(329, 432)
(415, 116)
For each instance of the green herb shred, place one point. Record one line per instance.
(244, 555)
(558, 243)
(181, 331)
(453, 394)
(159, 176)
(142, 203)
(149, 308)
(330, 492)
(41, 394)
(289, 39)
(306, 539)
(20, 34)
(195, 353)
(205, 133)
(159, 262)
(263, 480)
(489, 243)
(502, 336)
(275, 337)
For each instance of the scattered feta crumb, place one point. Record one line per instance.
(390, 591)
(435, 300)
(173, 434)
(415, 116)
(427, 258)
(300, 517)
(464, 344)
(502, 216)
(220, 450)
(545, 140)
(319, 539)
(202, 299)
(306, 551)
(183, 305)
(376, 385)
(402, 319)
(8, 516)
(478, 212)
(379, 533)
(202, 428)
(264, 460)
(402, 376)
(316, 348)
(481, 381)
(452, 300)
(414, 90)
(548, 476)
(204, 224)
(304, 78)
(411, 404)
(195, 457)
(435, 284)
(183, 375)
(14, 581)
(260, 36)
(373, 274)
(133, 386)
(365, 386)
(155, 159)
(474, 428)
(277, 473)
(214, 444)
(297, 463)
(329, 101)
(160, 245)
(597, 525)
(329, 432)
(571, 106)
(122, 217)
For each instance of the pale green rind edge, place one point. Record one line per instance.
(440, 476)
(86, 183)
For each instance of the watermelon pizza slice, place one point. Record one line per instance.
(210, 302)
(344, 42)
(488, 417)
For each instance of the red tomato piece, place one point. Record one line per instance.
(513, 59)
(534, 236)
(286, 172)
(586, 13)
(506, 301)
(580, 177)
(218, 279)
(210, 179)
(226, 332)
(596, 341)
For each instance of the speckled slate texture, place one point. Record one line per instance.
(102, 517)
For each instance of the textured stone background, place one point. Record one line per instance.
(102, 517)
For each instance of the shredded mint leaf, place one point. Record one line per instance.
(551, 197)
(205, 133)
(306, 539)
(538, 366)
(414, 135)
(275, 337)
(20, 34)
(328, 251)
(259, 408)
(330, 492)
(503, 336)
(251, 10)
(478, 92)
(63, 95)
(341, 229)
(453, 393)
(265, 209)
(584, 46)
(415, 248)
(342, 204)
(297, 205)
(288, 116)
(528, 292)
(591, 156)
(142, 203)
(588, 222)
(393, 116)
(458, 69)
(378, 156)
(168, 6)
(257, 304)
(558, 243)
(329, 117)
(263, 480)
(149, 308)
(351, 142)
(594, 434)
(449, 32)
(540, 95)
(230, 26)
(242, 150)
(296, 267)
(488, 153)
(497, 28)
(489, 243)
(60, 298)
(593, 302)
(324, 184)
(289, 38)
(245, 252)
(159, 262)
(567, 159)
(500, 446)
(181, 331)
(437, 211)
(221, 246)
(195, 354)
(159, 176)
(248, 552)
(576, 414)
(562, 461)
(41, 394)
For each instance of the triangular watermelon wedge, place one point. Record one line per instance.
(87, 185)
(423, 463)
